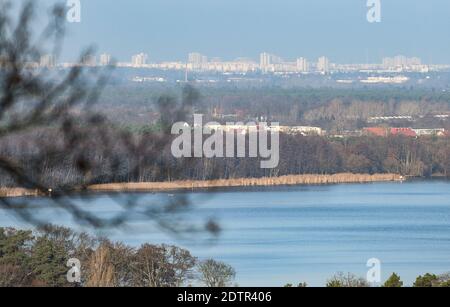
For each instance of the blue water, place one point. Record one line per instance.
(306, 234)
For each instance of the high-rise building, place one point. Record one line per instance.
(47, 61)
(302, 65)
(323, 64)
(268, 61)
(265, 61)
(197, 58)
(139, 60)
(401, 62)
(105, 59)
(197, 61)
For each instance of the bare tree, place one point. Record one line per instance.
(349, 280)
(54, 115)
(162, 266)
(216, 274)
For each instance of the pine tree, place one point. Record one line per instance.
(393, 282)
(48, 261)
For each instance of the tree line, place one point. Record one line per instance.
(334, 110)
(40, 259)
(349, 280)
(422, 157)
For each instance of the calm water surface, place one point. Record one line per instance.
(294, 234)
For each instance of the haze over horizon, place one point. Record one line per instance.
(169, 29)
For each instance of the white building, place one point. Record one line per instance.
(302, 65)
(269, 62)
(197, 58)
(301, 130)
(139, 60)
(401, 62)
(197, 61)
(386, 80)
(430, 132)
(47, 61)
(264, 61)
(105, 59)
(323, 64)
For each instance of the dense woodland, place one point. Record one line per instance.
(137, 113)
(418, 157)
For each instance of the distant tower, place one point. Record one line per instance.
(265, 60)
(302, 65)
(105, 59)
(323, 65)
(198, 61)
(139, 60)
(47, 61)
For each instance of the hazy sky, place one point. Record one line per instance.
(169, 29)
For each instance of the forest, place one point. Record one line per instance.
(414, 157)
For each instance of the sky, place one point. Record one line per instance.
(170, 29)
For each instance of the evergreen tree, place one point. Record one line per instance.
(426, 281)
(15, 257)
(393, 282)
(48, 261)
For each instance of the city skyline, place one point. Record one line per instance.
(267, 63)
(198, 57)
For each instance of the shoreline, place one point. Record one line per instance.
(19, 192)
(290, 180)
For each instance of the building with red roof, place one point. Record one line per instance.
(403, 132)
(377, 131)
(385, 132)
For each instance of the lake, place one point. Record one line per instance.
(280, 235)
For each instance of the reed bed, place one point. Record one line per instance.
(223, 183)
(245, 182)
(18, 192)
